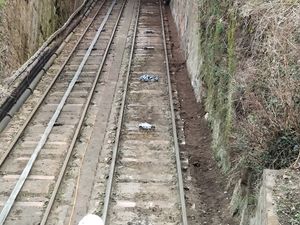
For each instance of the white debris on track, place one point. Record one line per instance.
(149, 78)
(146, 126)
(91, 219)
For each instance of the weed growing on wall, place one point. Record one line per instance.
(251, 72)
(267, 104)
(217, 34)
(2, 2)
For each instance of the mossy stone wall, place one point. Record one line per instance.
(207, 29)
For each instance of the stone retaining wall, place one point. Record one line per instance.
(185, 14)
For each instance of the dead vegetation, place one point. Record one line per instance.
(3, 52)
(266, 127)
(267, 102)
(251, 71)
(8, 57)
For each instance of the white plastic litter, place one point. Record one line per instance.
(91, 219)
(206, 116)
(148, 78)
(146, 126)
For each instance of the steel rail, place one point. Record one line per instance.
(79, 126)
(119, 126)
(10, 202)
(175, 137)
(33, 113)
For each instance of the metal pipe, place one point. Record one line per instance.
(5, 121)
(25, 95)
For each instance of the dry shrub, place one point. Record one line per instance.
(3, 53)
(268, 78)
(8, 59)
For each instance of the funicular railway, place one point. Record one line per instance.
(97, 71)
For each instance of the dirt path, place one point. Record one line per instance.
(208, 200)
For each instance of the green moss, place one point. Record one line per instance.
(2, 2)
(49, 22)
(217, 38)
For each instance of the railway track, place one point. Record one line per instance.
(34, 165)
(141, 174)
(145, 182)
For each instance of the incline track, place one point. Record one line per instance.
(54, 126)
(140, 169)
(142, 188)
